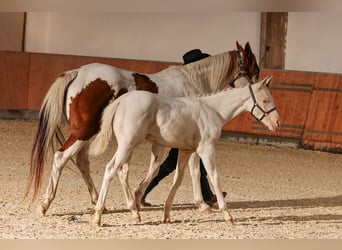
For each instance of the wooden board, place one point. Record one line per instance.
(324, 121)
(14, 74)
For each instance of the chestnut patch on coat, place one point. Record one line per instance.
(86, 110)
(142, 82)
(121, 92)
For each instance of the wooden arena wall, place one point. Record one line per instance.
(309, 103)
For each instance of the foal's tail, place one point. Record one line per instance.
(49, 118)
(102, 139)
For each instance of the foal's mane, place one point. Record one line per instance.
(210, 74)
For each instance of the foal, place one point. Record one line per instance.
(191, 124)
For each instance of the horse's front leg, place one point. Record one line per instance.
(183, 159)
(207, 155)
(156, 158)
(194, 163)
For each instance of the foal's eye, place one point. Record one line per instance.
(265, 101)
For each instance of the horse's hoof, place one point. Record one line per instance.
(42, 210)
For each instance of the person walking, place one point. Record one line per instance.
(170, 164)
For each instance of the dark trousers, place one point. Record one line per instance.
(169, 165)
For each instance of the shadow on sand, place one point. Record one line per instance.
(290, 203)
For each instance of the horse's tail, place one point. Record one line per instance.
(102, 139)
(50, 117)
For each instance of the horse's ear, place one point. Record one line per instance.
(248, 50)
(239, 47)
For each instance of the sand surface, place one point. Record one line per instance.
(273, 193)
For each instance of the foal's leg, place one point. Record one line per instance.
(119, 159)
(207, 155)
(156, 158)
(123, 176)
(194, 164)
(59, 161)
(83, 166)
(183, 159)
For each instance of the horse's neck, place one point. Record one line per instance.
(171, 82)
(229, 103)
(203, 77)
(210, 74)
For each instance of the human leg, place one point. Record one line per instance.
(165, 169)
(208, 195)
(205, 187)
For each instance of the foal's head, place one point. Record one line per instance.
(262, 106)
(248, 67)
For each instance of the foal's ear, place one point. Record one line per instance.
(268, 81)
(239, 47)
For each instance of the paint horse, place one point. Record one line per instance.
(82, 94)
(191, 124)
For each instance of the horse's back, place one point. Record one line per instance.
(110, 74)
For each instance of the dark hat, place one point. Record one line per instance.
(193, 56)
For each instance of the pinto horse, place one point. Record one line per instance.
(82, 94)
(191, 124)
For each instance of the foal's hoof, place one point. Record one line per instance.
(205, 209)
(95, 223)
(136, 217)
(230, 221)
(167, 221)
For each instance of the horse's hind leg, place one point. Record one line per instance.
(59, 161)
(183, 159)
(83, 166)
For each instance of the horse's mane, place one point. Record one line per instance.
(208, 75)
(213, 93)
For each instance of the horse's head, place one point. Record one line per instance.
(248, 66)
(262, 106)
